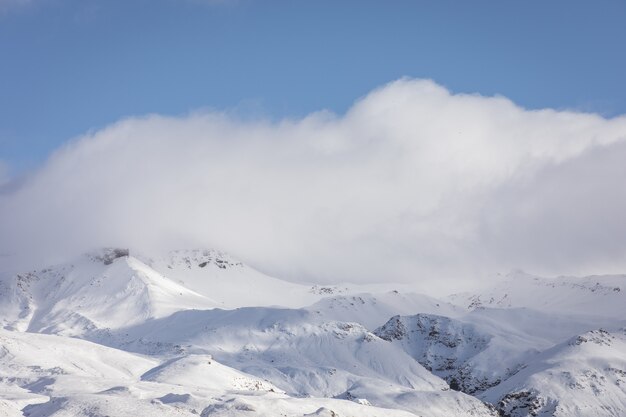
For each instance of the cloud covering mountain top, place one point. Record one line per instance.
(412, 183)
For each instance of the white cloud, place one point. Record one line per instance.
(411, 184)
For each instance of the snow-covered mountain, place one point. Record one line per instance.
(373, 310)
(224, 279)
(197, 332)
(47, 375)
(484, 347)
(595, 296)
(453, 350)
(583, 376)
(107, 289)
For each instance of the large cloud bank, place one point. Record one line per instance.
(413, 183)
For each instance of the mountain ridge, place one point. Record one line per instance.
(306, 348)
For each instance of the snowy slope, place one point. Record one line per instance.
(467, 356)
(304, 355)
(202, 371)
(484, 347)
(111, 289)
(46, 375)
(97, 291)
(233, 284)
(582, 377)
(197, 332)
(373, 310)
(45, 365)
(292, 348)
(593, 296)
(229, 282)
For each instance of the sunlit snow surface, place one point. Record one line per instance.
(197, 332)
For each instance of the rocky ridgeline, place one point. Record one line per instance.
(327, 290)
(599, 337)
(443, 346)
(526, 403)
(108, 255)
(201, 258)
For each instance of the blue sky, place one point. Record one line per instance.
(68, 66)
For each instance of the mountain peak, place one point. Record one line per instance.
(108, 255)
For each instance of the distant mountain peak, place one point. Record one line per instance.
(199, 258)
(108, 255)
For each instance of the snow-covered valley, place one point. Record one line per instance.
(198, 332)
